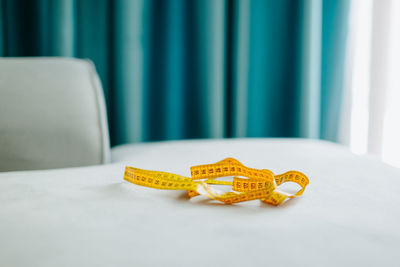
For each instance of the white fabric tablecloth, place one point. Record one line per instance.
(349, 214)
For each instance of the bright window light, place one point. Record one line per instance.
(391, 130)
(360, 29)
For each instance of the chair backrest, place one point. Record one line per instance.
(52, 114)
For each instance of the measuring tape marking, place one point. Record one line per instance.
(259, 184)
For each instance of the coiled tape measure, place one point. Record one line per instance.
(258, 184)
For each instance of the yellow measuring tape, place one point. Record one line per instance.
(258, 184)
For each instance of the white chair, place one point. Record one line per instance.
(52, 114)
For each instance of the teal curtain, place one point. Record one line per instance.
(176, 69)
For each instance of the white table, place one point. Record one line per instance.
(349, 214)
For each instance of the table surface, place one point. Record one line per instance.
(349, 214)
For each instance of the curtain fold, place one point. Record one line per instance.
(309, 73)
(334, 32)
(178, 69)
